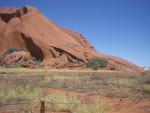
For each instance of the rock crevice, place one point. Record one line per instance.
(34, 50)
(6, 17)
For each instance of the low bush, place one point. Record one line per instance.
(13, 49)
(97, 63)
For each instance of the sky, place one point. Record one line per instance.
(116, 27)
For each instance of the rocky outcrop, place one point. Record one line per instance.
(27, 28)
(17, 58)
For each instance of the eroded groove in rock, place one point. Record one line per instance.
(54, 52)
(71, 57)
(7, 17)
(34, 50)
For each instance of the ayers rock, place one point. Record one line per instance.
(28, 28)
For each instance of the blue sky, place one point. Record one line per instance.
(117, 27)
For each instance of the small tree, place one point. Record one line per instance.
(97, 63)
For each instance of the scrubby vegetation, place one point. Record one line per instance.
(13, 49)
(97, 63)
(30, 89)
(74, 104)
(20, 93)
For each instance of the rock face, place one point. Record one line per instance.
(27, 28)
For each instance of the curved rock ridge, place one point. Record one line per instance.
(27, 28)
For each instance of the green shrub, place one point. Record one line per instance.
(97, 63)
(13, 49)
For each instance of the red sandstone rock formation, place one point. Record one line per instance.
(27, 28)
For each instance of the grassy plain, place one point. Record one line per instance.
(22, 89)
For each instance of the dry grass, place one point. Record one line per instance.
(20, 70)
(17, 87)
(74, 104)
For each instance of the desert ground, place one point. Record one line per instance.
(73, 91)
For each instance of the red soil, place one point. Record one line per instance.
(116, 105)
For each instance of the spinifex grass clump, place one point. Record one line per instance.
(62, 101)
(96, 107)
(74, 104)
(26, 93)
